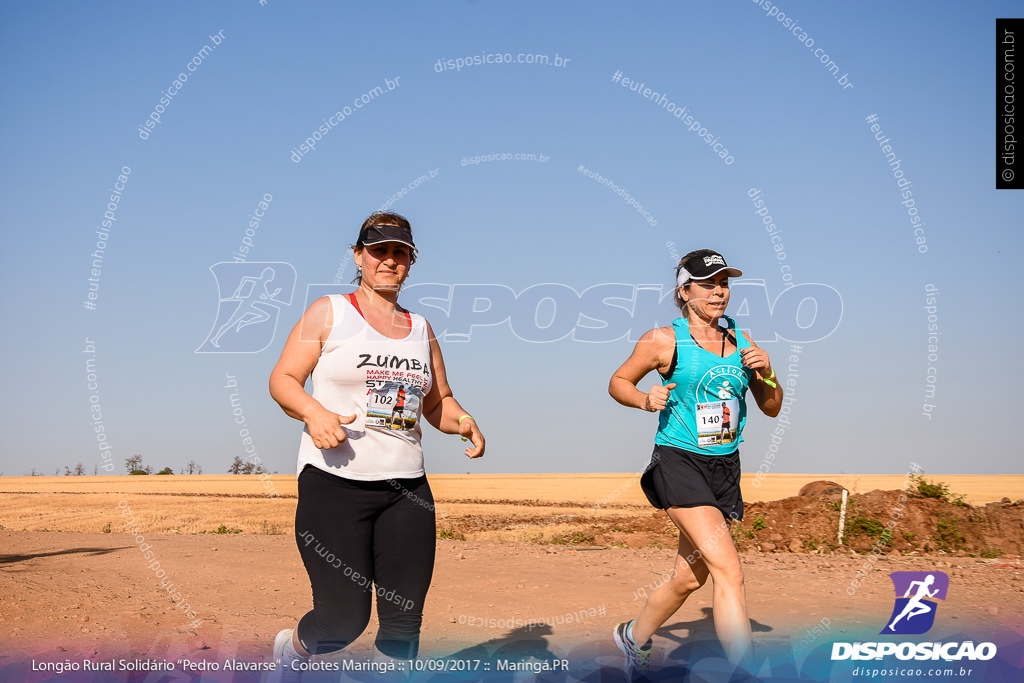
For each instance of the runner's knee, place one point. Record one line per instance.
(688, 576)
(684, 585)
(729, 575)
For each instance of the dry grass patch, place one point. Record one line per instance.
(96, 513)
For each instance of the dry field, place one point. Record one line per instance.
(519, 507)
(587, 489)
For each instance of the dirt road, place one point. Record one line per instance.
(72, 597)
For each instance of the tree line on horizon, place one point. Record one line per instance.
(133, 465)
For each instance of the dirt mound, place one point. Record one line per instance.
(892, 522)
(820, 488)
(889, 520)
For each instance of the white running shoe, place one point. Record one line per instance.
(284, 655)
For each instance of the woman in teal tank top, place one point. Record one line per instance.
(706, 368)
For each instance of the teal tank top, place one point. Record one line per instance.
(707, 409)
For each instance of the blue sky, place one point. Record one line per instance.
(78, 82)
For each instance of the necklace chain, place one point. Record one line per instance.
(724, 337)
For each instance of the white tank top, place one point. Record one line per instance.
(382, 382)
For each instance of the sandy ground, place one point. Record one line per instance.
(92, 596)
(68, 596)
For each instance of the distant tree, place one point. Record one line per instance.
(239, 466)
(166, 470)
(192, 468)
(253, 468)
(133, 463)
(67, 471)
(79, 470)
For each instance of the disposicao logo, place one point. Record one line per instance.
(913, 614)
(916, 595)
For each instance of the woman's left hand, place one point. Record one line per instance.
(767, 392)
(468, 429)
(756, 358)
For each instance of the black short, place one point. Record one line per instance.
(679, 478)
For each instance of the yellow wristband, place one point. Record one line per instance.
(460, 422)
(768, 380)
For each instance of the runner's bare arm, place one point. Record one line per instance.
(652, 352)
(288, 378)
(442, 410)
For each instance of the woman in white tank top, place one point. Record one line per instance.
(377, 370)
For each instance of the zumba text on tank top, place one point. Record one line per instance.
(380, 380)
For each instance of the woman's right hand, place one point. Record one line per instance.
(653, 351)
(326, 427)
(657, 397)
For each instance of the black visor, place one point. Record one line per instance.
(375, 234)
(703, 267)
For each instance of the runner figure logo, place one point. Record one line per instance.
(916, 593)
(250, 297)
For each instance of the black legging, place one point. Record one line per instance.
(357, 536)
